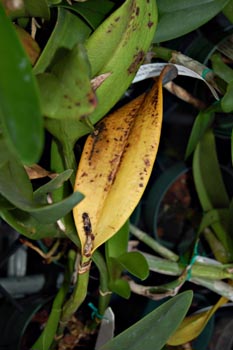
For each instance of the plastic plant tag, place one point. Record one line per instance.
(154, 69)
(106, 331)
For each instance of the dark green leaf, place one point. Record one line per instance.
(29, 227)
(51, 213)
(92, 11)
(120, 287)
(20, 112)
(16, 188)
(228, 11)
(193, 13)
(41, 193)
(68, 31)
(153, 330)
(37, 8)
(135, 263)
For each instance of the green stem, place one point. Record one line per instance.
(219, 287)
(78, 295)
(162, 52)
(150, 242)
(69, 160)
(105, 293)
(199, 269)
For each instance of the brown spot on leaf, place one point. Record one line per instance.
(146, 162)
(137, 59)
(150, 24)
(84, 174)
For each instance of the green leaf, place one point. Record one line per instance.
(153, 331)
(16, 187)
(193, 13)
(135, 263)
(66, 92)
(226, 102)
(28, 8)
(67, 32)
(28, 226)
(41, 193)
(37, 8)
(20, 112)
(51, 213)
(92, 11)
(211, 189)
(202, 122)
(120, 287)
(228, 11)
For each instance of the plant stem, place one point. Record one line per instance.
(69, 160)
(219, 287)
(163, 53)
(78, 295)
(150, 242)
(105, 293)
(214, 271)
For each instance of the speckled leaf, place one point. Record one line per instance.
(67, 32)
(124, 146)
(66, 91)
(119, 46)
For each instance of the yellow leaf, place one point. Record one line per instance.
(115, 167)
(193, 325)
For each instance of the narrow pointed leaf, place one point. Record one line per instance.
(154, 329)
(202, 122)
(193, 325)
(211, 189)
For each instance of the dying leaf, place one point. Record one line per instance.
(115, 166)
(193, 325)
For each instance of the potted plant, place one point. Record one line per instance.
(72, 172)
